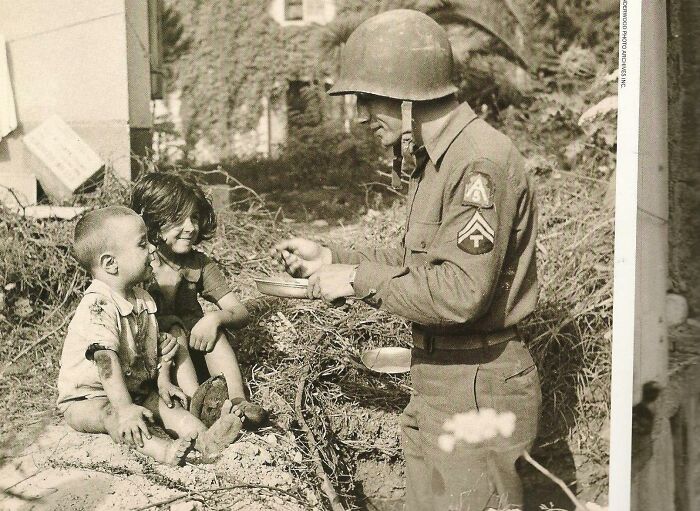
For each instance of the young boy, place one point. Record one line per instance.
(107, 380)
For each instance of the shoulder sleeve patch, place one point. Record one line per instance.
(478, 191)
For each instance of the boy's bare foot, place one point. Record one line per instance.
(255, 415)
(223, 432)
(178, 449)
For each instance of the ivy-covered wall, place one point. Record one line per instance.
(237, 54)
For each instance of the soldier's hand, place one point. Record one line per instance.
(330, 282)
(301, 257)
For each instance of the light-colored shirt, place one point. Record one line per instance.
(105, 320)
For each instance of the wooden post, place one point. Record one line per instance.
(653, 482)
(652, 206)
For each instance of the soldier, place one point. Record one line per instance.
(464, 274)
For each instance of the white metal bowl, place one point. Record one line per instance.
(283, 288)
(391, 359)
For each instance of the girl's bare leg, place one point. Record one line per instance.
(222, 360)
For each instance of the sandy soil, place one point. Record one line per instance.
(65, 470)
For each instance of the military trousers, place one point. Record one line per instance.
(473, 477)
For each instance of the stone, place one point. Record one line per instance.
(676, 310)
(188, 505)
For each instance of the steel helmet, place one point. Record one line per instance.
(401, 54)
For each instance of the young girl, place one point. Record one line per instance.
(178, 216)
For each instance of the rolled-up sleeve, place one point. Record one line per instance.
(464, 255)
(96, 327)
(214, 284)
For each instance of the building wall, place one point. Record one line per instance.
(315, 11)
(78, 59)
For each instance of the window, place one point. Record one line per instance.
(293, 10)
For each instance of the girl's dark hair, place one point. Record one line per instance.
(165, 198)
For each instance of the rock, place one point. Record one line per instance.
(23, 308)
(271, 439)
(188, 505)
(676, 310)
(264, 457)
(372, 213)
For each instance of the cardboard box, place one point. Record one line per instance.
(63, 161)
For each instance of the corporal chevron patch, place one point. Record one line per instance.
(477, 236)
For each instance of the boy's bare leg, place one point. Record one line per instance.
(185, 373)
(210, 442)
(98, 416)
(222, 360)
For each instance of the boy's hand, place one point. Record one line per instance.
(204, 332)
(177, 331)
(130, 424)
(169, 391)
(167, 344)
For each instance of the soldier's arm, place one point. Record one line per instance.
(465, 254)
(392, 256)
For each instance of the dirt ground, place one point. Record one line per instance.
(65, 470)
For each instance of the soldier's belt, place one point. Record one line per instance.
(461, 341)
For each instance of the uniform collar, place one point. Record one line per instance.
(124, 306)
(452, 126)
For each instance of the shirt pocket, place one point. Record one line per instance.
(419, 238)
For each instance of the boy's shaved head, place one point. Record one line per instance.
(94, 234)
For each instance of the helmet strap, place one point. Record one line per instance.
(404, 161)
(396, 165)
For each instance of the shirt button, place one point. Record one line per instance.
(422, 244)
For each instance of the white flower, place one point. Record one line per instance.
(506, 424)
(476, 426)
(447, 442)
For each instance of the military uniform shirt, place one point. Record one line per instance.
(467, 259)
